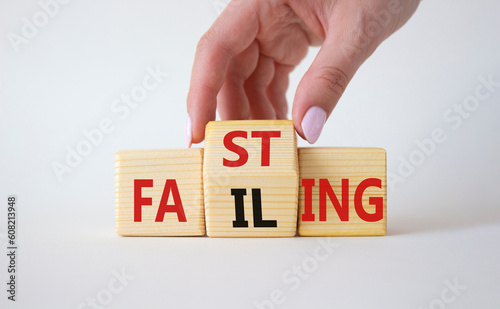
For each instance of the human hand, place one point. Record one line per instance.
(242, 62)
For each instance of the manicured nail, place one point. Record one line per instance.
(312, 123)
(188, 132)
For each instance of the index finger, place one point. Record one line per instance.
(233, 31)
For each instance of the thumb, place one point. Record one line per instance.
(323, 84)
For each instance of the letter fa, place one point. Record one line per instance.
(163, 207)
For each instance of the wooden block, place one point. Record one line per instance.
(342, 192)
(250, 177)
(159, 193)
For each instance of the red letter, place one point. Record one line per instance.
(266, 144)
(308, 184)
(170, 185)
(377, 201)
(342, 210)
(140, 201)
(228, 142)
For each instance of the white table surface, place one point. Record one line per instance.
(443, 217)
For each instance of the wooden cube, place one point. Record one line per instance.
(159, 193)
(250, 176)
(342, 192)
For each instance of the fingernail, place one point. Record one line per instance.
(312, 123)
(188, 132)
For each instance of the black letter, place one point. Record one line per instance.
(239, 207)
(257, 212)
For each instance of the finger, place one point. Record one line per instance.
(232, 101)
(326, 80)
(276, 92)
(231, 34)
(255, 88)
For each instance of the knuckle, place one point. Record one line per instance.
(333, 79)
(211, 42)
(206, 40)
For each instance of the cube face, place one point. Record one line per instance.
(327, 177)
(250, 174)
(159, 193)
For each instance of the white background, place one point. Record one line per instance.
(443, 216)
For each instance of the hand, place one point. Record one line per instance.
(242, 62)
